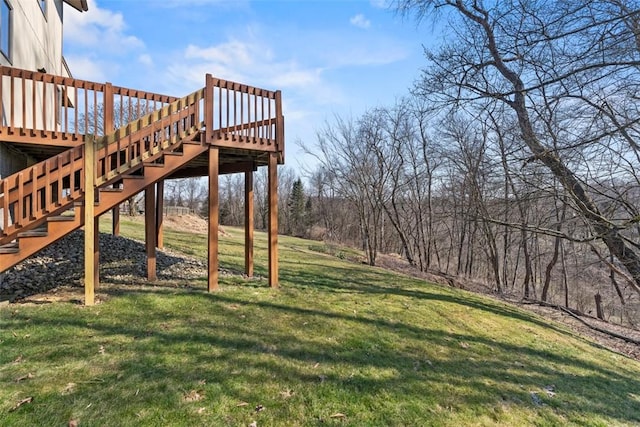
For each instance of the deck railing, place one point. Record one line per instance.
(43, 105)
(242, 116)
(129, 127)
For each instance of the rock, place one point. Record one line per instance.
(122, 260)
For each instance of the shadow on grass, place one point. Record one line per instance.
(343, 280)
(240, 345)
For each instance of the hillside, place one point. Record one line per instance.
(339, 344)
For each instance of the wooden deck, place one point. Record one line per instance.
(110, 143)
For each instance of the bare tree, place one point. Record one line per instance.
(581, 56)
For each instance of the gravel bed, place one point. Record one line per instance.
(122, 261)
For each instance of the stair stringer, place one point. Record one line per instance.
(56, 229)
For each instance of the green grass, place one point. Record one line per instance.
(337, 338)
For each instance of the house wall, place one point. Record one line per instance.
(36, 43)
(37, 37)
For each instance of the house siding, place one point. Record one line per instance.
(36, 44)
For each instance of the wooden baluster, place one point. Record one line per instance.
(279, 125)
(44, 103)
(12, 102)
(4, 188)
(47, 186)
(59, 164)
(24, 104)
(255, 115)
(34, 193)
(20, 201)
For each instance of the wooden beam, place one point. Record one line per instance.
(115, 214)
(273, 220)
(89, 222)
(214, 208)
(159, 215)
(248, 223)
(150, 230)
(224, 169)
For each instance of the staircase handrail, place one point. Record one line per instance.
(52, 185)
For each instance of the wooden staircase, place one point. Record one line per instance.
(45, 202)
(69, 127)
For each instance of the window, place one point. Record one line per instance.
(43, 6)
(5, 28)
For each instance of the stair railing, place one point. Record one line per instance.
(49, 187)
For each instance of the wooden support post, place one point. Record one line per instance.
(150, 230)
(214, 208)
(96, 253)
(159, 215)
(115, 215)
(248, 223)
(89, 221)
(273, 220)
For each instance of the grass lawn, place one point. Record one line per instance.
(338, 344)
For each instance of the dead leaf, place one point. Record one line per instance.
(551, 390)
(101, 350)
(259, 408)
(287, 393)
(21, 402)
(202, 382)
(316, 365)
(193, 396)
(338, 415)
(241, 404)
(69, 388)
(27, 336)
(322, 378)
(73, 423)
(24, 377)
(201, 410)
(464, 344)
(253, 424)
(18, 359)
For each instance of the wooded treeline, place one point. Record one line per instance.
(514, 160)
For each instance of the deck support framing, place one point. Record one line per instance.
(214, 217)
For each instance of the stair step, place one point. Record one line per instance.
(154, 165)
(33, 233)
(81, 203)
(133, 177)
(61, 218)
(110, 190)
(9, 248)
(173, 153)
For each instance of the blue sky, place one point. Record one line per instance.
(328, 57)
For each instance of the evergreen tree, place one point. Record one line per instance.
(296, 206)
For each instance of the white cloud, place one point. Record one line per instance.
(247, 62)
(360, 21)
(86, 69)
(381, 4)
(99, 28)
(232, 52)
(145, 59)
